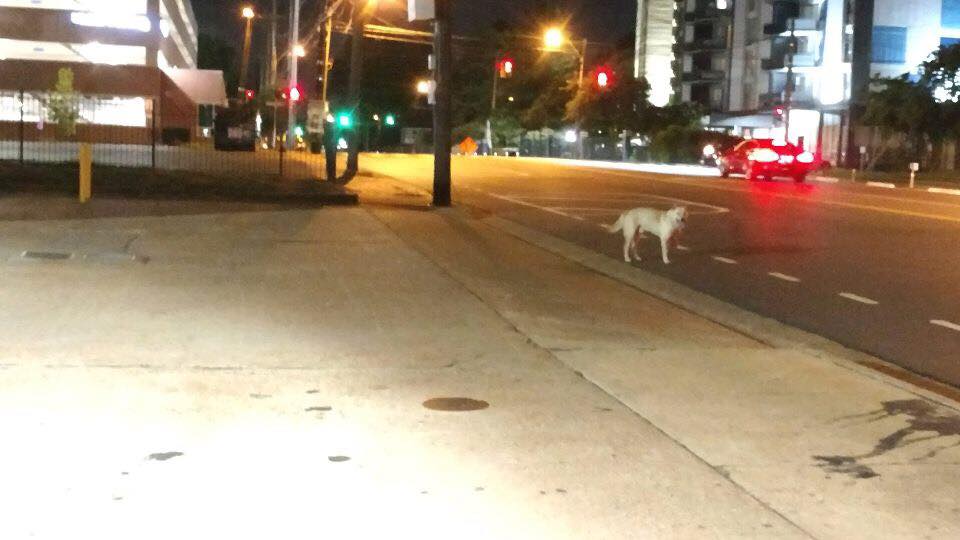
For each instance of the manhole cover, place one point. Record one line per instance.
(455, 404)
(46, 255)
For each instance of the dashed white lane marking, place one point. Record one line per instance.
(885, 185)
(622, 197)
(784, 277)
(858, 298)
(724, 260)
(946, 324)
(944, 191)
(682, 248)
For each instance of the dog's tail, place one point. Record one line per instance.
(618, 226)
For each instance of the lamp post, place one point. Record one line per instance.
(249, 15)
(553, 40)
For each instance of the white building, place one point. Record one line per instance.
(654, 54)
(735, 59)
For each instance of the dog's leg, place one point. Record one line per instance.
(627, 242)
(635, 245)
(664, 247)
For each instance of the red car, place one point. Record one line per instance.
(760, 159)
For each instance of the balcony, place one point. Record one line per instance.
(783, 27)
(707, 13)
(702, 75)
(779, 61)
(706, 44)
(800, 98)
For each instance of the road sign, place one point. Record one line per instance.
(468, 147)
(315, 116)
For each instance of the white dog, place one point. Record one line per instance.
(635, 223)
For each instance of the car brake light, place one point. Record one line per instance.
(763, 155)
(805, 157)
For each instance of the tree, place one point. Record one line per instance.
(63, 105)
(898, 106)
(620, 106)
(941, 73)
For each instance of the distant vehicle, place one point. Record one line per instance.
(508, 152)
(235, 128)
(712, 151)
(760, 159)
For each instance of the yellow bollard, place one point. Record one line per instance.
(86, 172)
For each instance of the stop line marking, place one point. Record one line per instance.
(946, 324)
(858, 298)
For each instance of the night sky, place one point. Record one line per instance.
(603, 20)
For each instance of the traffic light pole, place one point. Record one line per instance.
(788, 94)
(493, 107)
(442, 130)
(291, 103)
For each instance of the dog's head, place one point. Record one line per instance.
(677, 216)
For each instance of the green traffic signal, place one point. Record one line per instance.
(391, 120)
(344, 120)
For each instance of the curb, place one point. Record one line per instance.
(763, 329)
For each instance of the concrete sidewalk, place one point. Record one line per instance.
(281, 374)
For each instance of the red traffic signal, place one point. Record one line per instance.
(292, 93)
(295, 94)
(778, 112)
(506, 68)
(604, 78)
(249, 94)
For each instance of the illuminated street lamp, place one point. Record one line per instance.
(554, 38)
(299, 51)
(423, 87)
(249, 15)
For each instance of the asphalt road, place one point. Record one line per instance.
(876, 270)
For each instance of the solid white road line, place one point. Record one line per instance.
(724, 260)
(825, 179)
(531, 205)
(885, 185)
(858, 298)
(944, 191)
(946, 324)
(784, 277)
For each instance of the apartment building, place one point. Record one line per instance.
(736, 56)
(654, 53)
(126, 55)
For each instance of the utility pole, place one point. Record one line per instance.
(273, 46)
(788, 93)
(493, 107)
(327, 38)
(354, 88)
(442, 129)
(292, 104)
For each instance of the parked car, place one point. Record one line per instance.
(235, 129)
(760, 159)
(716, 147)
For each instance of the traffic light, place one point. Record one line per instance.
(391, 120)
(281, 94)
(778, 113)
(345, 120)
(295, 94)
(249, 95)
(604, 78)
(506, 68)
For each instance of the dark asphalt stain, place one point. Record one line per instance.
(118, 498)
(542, 492)
(338, 459)
(424, 492)
(124, 473)
(604, 409)
(46, 255)
(455, 404)
(561, 490)
(313, 391)
(259, 396)
(921, 417)
(478, 488)
(319, 409)
(164, 456)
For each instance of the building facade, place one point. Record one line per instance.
(736, 60)
(654, 54)
(119, 51)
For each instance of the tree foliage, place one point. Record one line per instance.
(63, 105)
(899, 106)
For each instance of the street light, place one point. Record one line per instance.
(249, 15)
(423, 87)
(299, 51)
(554, 38)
